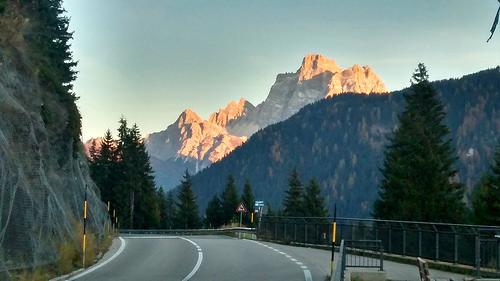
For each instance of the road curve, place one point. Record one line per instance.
(160, 258)
(222, 258)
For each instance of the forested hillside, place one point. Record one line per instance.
(340, 141)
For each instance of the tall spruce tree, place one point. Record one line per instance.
(293, 204)
(214, 214)
(418, 168)
(486, 196)
(249, 200)
(170, 211)
(229, 200)
(187, 208)
(314, 204)
(103, 166)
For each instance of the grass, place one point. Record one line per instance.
(69, 255)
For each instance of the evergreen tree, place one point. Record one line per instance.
(187, 209)
(214, 214)
(170, 211)
(248, 199)
(486, 196)
(103, 166)
(314, 204)
(229, 200)
(293, 204)
(418, 167)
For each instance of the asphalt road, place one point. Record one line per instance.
(221, 258)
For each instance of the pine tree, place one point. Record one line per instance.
(103, 166)
(418, 167)
(187, 209)
(293, 204)
(486, 196)
(214, 213)
(248, 199)
(170, 211)
(314, 204)
(229, 200)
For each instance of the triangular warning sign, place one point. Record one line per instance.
(241, 208)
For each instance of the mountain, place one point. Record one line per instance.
(340, 141)
(318, 77)
(43, 171)
(193, 143)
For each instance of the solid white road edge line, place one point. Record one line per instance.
(99, 265)
(307, 273)
(198, 262)
(198, 248)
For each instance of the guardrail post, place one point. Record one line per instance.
(381, 257)
(404, 242)
(305, 233)
(275, 231)
(498, 254)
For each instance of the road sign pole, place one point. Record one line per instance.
(241, 215)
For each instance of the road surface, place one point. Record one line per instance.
(161, 258)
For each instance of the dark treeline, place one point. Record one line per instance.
(222, 210)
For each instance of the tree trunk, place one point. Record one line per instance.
(132, 199)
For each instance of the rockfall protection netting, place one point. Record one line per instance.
(42, 182)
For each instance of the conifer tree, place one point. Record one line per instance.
(314, 204)
(419, 168)
(229, 200)
(170, 211)
(214, 213)
(486, 196)
(102, 166)
(248, 199)
(187, 208)
(293, 204)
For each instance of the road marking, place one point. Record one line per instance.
(307, 273)
(198, 262)
(99, 265)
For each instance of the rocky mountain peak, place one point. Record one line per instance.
(315, 64)
(188, 116)
(234, 110)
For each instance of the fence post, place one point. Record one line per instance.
(455, 256)
(477, 255)
(305, 233)
(404, 240)
(295, 232)
(284, 231)
(381, 257)
(437, 246)
(498, 254)
(390, 238)
(275, 230)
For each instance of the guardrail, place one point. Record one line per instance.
(359, 254)
(223, 231)
(471, 245)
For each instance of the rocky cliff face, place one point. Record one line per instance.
(42, 179)
(318, 77)
(193, 143)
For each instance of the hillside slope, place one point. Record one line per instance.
(340, 141)
(42, 177)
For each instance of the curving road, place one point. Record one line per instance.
(161, 258)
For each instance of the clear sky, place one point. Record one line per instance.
(150, 59)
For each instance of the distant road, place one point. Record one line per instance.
(221, 258)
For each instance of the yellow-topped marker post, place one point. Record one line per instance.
(334, 234)
(84, 241)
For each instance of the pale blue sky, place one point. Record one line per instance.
(150, 59)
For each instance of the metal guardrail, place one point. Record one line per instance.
(189, 231)
(464, 244)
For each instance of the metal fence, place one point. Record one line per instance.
(359, 254)
(455, 243)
